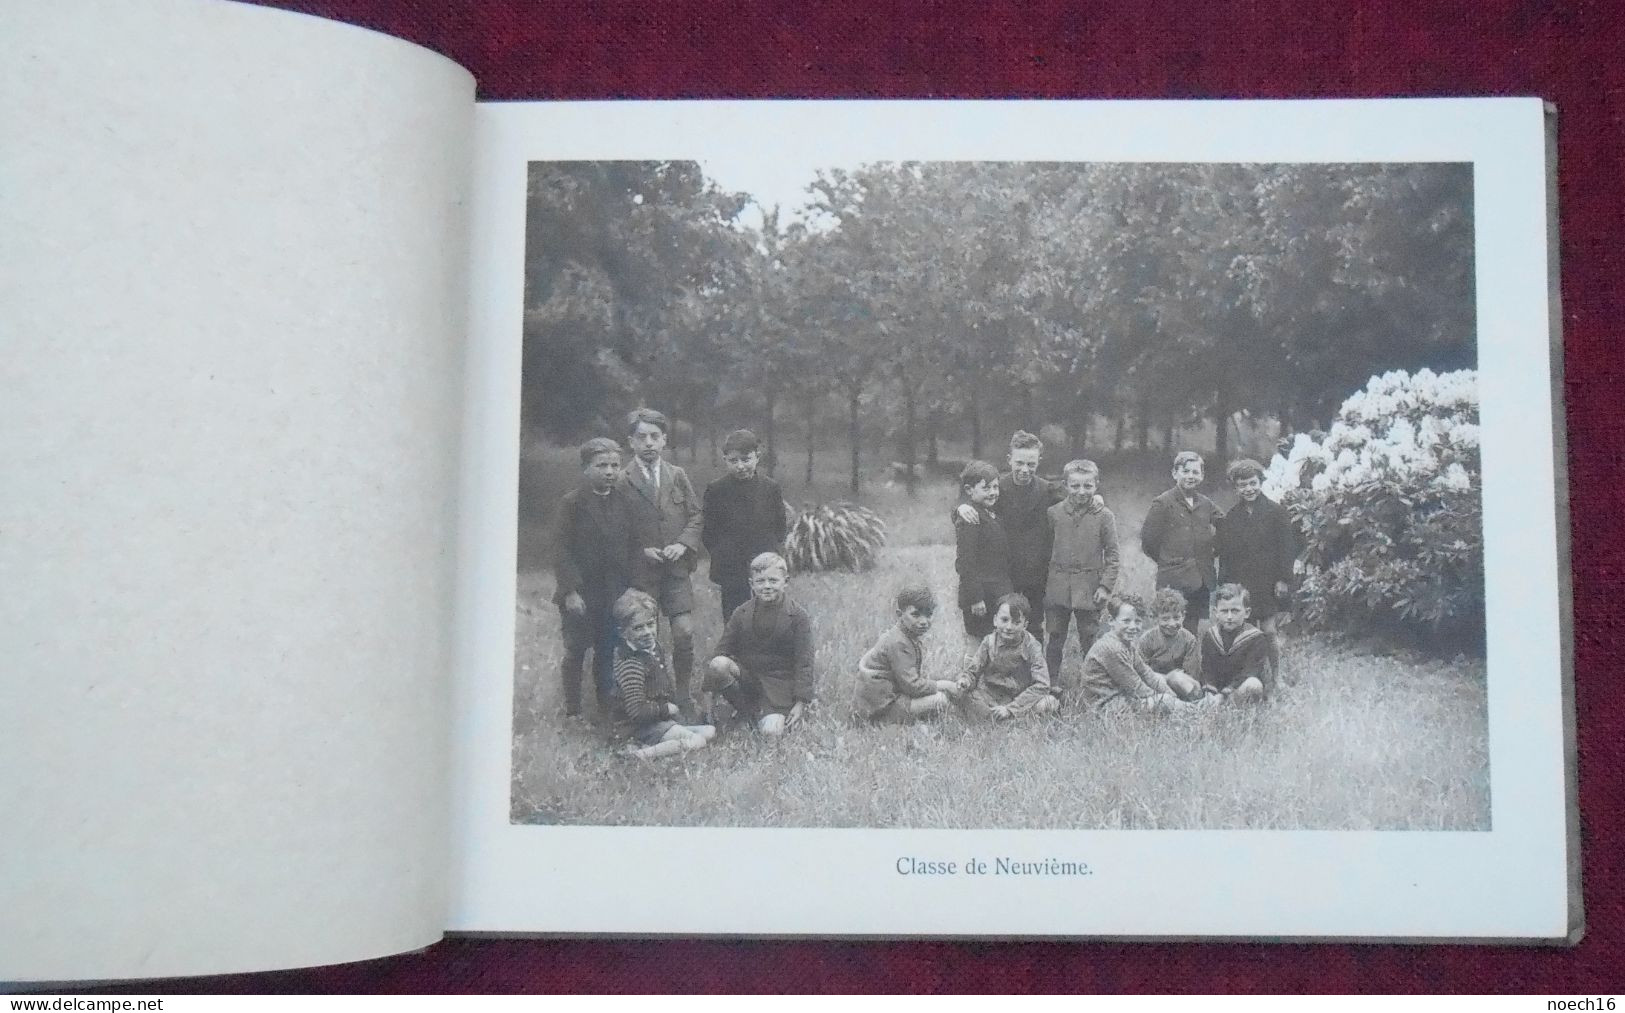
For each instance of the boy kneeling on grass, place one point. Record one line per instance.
(1235, 653)
(644, 709)
(1007, 678)
(891, 687)
(1116, 677)
(764, 661)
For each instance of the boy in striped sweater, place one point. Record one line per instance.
(644, 709)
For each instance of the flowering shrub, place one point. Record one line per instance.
(1388, 501)
(840, 536)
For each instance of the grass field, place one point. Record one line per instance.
(1365, 739)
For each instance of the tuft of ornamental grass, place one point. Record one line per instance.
(834, 536)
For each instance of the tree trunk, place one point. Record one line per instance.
(1029, 412)
(711, 428)
(975, 423)
(1221, 428)
(1142, 425)
(852, 433)
(934, 422)
(812, 434)
(771, 458)
(1117, 437)
(1168, 436)
(672, 443)
(1080, 437)
(908, 438)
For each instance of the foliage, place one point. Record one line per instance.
(1389, 503)
(839, 536)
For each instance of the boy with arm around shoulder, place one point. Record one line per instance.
(892, 689)
(981, 553)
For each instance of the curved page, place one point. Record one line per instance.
(231, 368)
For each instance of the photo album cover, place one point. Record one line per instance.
(982, 519)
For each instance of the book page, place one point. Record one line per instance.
(879, 308)
(230, 301)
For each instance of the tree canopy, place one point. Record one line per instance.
(954, 293)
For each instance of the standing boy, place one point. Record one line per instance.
(1024, 502)
(981, 554)
(1257, 545)
(1083, 563)
(667, 514)
(1178, 536)
(764, 661)
(743, 518)
(596, 562)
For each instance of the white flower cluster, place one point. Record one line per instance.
(1409, 430)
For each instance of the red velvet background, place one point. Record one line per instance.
(1570, 54)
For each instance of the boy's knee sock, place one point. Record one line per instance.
(682, 664)
(570, 678)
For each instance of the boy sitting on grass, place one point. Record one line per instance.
(644, 710)
(764, 661)
(1235, 653)
(891, 687)
(981, 552)
(1169, 649)
(1116, 678)
(1257, 545)
(1006, 678)
(742, 517)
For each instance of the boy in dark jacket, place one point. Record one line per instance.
(1024, 498)
(981, 553)
(1257, 545)
(1235, 657)
(1178, 536)
(764, 661)
(743, 518)
(596, 562)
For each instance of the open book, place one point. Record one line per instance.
(287, 339)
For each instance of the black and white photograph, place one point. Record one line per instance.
(925, 494)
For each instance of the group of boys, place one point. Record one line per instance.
(627, 540)
(1025, 547)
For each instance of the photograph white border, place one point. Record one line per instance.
(1510, 882)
